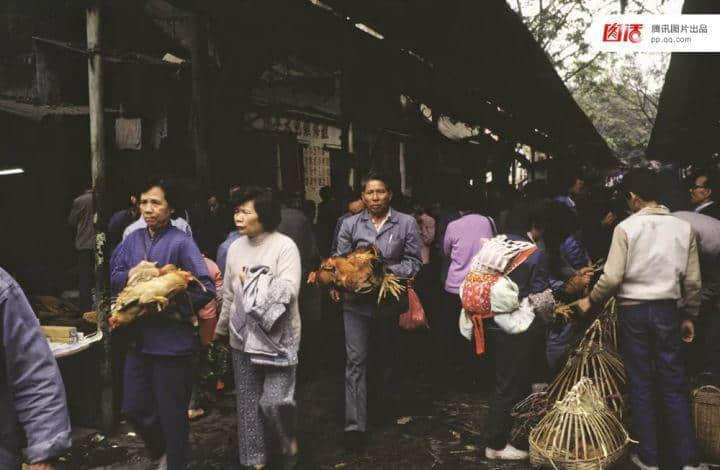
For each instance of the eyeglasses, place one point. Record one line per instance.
(697, 186)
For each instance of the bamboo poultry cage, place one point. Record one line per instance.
(579, 433)
(706, 417)
(594, 358)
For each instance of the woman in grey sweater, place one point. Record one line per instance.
(264, 375)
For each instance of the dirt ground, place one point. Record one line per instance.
(437, 425)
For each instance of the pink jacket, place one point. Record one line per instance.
(210, 309)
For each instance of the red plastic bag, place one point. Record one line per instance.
(414, 318)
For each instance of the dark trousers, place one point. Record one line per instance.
(156, 399)
(86, 268)
(453, 349)
(711, 339)
(650, 344)
(513, 366)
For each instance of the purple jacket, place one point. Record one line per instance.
(463, 239)
(155, 335)
(32, 394)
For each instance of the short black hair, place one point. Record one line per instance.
(169, 186)
(375, 176)
(711, 180)
(524, 216)
(644, 183)
(266, 204)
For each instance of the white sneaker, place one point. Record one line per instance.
(162, 463)
(635, 458)
(508, 453)
(702, 466)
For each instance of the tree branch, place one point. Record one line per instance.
(581, 68)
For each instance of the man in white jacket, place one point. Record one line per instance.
(652, 265)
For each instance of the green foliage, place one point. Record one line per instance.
(617, 92)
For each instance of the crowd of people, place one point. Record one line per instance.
(252, 253)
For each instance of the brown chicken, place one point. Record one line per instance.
(148, 289)
(359, 272)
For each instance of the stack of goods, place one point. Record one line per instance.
(148, 286)
(598, 360)
(360, 272)
(706, 416)
(580, 432)
(54, 311)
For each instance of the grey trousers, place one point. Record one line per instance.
(265, 407)
(368, 342)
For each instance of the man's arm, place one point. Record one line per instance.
(344, 238)
(614, 270)
(411, 261)
(692, 281)
(74, 214)
(37, 390)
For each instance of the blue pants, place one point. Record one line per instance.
(156, 399)
(711, 337)
(650, 344)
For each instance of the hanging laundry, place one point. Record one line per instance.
(128, 133)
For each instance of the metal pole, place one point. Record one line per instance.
(97, 165)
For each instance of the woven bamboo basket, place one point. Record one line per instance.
(608, 319)
(596, 359)
(706, 416)
(579, 433)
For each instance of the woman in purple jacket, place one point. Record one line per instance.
(158, 374)
(463, 239)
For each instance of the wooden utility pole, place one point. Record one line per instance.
(199, 59)
(97, 165)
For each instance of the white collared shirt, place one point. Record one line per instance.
(379, 226)
(703, 206)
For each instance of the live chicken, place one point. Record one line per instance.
(148, 286)
(359, 272)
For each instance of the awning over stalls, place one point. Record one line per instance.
(687, 126)
(36, 112)
(484, 67)
(473, 61)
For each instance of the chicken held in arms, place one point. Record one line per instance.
(148, 286)
(359, 272)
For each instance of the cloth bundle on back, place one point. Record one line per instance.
(488, 291)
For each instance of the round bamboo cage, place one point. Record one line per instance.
(579, 433)
(594, 358)
(706, 416)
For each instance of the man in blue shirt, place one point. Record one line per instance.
(158, 373)
(32, 394)
(398, 237)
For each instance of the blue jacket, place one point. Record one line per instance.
(574, 253)
(533, 275)
(32, 394)
(223, 250)
(155, 334)
(398, 240)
